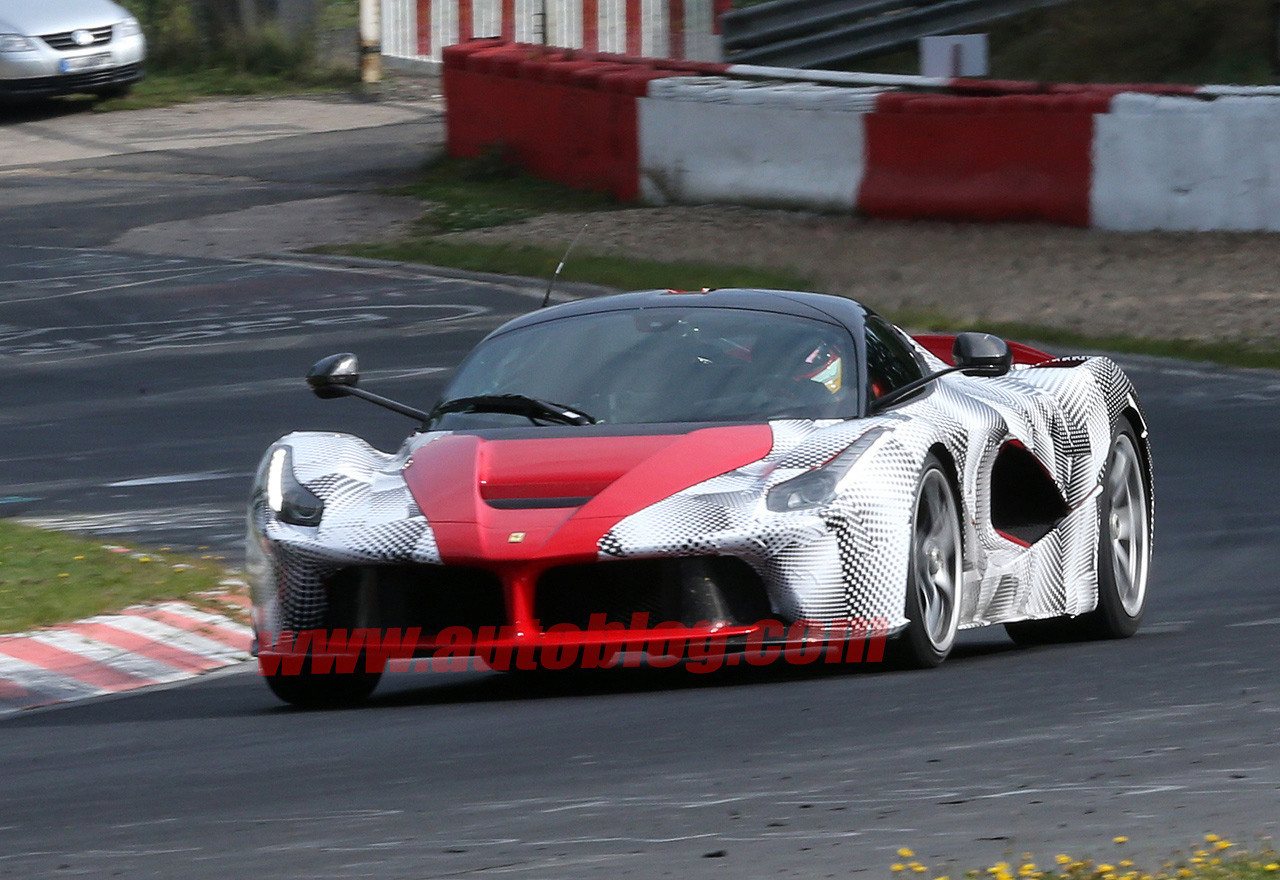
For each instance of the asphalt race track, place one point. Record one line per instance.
(144, 389)
(138, 394)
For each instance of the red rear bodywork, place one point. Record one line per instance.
(939, 345)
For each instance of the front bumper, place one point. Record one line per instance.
(44, 71)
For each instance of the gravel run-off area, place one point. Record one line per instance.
(1208, 286)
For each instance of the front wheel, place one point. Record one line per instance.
(934, 572)
(332, 690)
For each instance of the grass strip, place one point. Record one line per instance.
(491, 191)
(167, 89)
(49, 577)
(540, 262)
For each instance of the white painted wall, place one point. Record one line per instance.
(713, 139)
(565, 26)
(1186, 163)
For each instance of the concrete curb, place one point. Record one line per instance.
(141, 646)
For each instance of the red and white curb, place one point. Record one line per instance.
(140, 646)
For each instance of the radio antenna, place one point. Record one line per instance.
(556, 275)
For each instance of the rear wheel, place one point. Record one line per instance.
(1124, 554)
(934, 572)
(1124, 543)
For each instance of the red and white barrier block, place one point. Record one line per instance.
(1114, 157)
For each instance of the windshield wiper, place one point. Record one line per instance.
(516, 405)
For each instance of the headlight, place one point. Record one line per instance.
(16, 43)
(291, 501)
(818, 486)
(128, 28)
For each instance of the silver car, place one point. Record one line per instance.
(66, 46)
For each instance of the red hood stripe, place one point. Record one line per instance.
(450, 479)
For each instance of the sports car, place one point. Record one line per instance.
(667, 476)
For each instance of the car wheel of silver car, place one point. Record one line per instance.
(934, 572)
(1124, 554)
(109, 92)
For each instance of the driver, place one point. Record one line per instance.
(824, 366)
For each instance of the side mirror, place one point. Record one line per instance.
(334, 376)
(981, 354)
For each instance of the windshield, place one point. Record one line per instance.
(665, 365)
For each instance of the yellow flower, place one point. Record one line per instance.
(1120, 839)
(1125, 863)
(79, 557)
(1103, 869)
(897, 867)
(1210, 838)
(1222, 844)
(905, 853)
(1062, 859)
(64, 575)
(919, 869)
(1272, 867)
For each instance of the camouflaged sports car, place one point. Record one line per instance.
(725, 465)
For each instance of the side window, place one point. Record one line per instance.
(890, 361)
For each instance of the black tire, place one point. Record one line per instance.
(1124, 554)
(935, 570)
(106, 94)
(327, 691)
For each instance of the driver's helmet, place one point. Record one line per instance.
(822, 365)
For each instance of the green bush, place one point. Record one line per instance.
(1193, 41)
(184, 36)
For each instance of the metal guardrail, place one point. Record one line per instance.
(817, 33)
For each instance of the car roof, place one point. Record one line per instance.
(816, 306)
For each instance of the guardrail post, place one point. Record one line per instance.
(370, 41)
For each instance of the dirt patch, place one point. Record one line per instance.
(1203, 286)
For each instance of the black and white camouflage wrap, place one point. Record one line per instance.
(848, 559)
(845, 559)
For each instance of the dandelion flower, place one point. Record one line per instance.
(1120, 839)
(905, 852)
